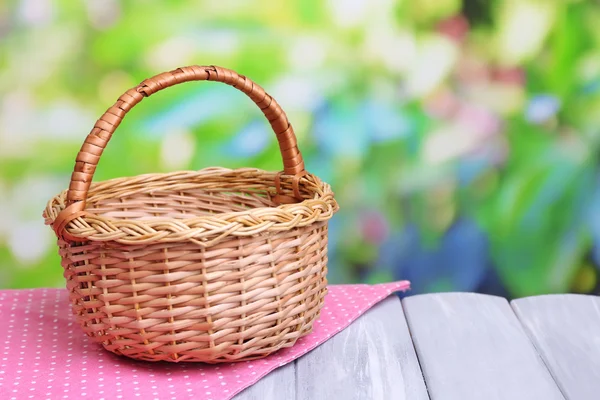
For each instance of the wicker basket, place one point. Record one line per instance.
(215, 265)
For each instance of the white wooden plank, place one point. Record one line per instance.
(371, 359)
(280, 384)
(566, 331)
(472, 346)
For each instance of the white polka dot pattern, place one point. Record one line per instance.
(45, 355)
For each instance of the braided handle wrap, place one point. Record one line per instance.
(95, 143)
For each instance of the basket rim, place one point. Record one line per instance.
(205, 230)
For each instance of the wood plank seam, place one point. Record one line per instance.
(529, 335)
(565, 328)
(412, 341)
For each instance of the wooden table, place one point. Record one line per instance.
(453, 346)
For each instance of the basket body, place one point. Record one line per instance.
(239, 300)
(216, 265)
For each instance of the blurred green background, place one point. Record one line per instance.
(461, 138)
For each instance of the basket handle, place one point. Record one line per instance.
(95, 143)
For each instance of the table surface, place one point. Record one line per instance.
(453, 346)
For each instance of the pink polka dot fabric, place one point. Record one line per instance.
(44, 355)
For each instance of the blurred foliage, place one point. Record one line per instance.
(460, 138)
